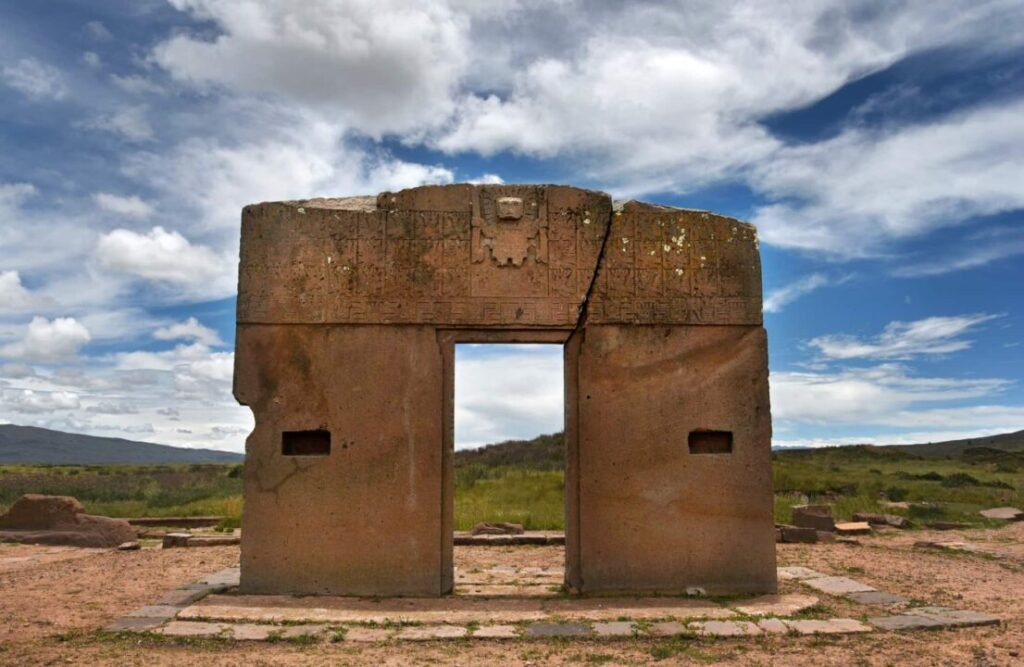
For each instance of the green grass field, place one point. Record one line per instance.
(851, 479)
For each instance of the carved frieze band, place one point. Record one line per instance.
(513, 259)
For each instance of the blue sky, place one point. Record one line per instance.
(878, 147)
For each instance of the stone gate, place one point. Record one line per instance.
(348, 314)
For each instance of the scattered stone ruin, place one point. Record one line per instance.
(60, 520)
(348, 315)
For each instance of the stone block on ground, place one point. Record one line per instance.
(176, 540)
(837, 585)
(500, 528)
(1003, 513)
(667, 629)
(129, 546)
(958, 617)
(727, 629)
(853, 528)
(156, 611)
(818, 517)
(134, 624)
(557, 630)
(773, 626)
(192, 629)
(776, 605)
(904, 622)
(251, 631)
(429, 632)
(831, 626)
(615, 629)
(496, 632)
(61, 521)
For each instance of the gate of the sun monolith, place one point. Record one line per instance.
(348, 313)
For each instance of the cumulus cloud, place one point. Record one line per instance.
(904, 340)
(35, 79)
(384, 66)
(167, 257)
(48, 340)
(190, 329)
(130, 207)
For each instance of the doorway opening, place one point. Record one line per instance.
(509, 463)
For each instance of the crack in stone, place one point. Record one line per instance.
(581, 317)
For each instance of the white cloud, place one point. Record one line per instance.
(487, 179)
(167, 257)
(35, 79)
(777, 299)
(385, 66)
(879, 395)
(507, 391)
(130, 123)
(857, 193)
(105, 408)
(136, 85)
(130, 207)
(98, 31)
(92, 59)
(190, 329)
(29, 402)
(48, 340)
(15, 297)
(903, 340)
(978, 249)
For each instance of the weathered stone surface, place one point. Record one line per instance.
(186, 595)
(832, 626)
(776, 605)
(348, 473)
(853, 528)
(496, 632)
(134, 624)
(129, 546)
(837, 585)
(156, 611)
(1003, 513)
(556, 630)
(60, 520)
(773, 626)
(192, 629)
(667, 629)
(960, 617)
(500, 528)
(727, 629)
(615, 629)
(251, 631)
(904, 622)
(877, 598)
(176, 540)
(818, 517)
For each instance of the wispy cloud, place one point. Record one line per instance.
(903, 340)
(777, 299)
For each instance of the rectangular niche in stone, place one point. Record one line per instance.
(710, 442)
(306, 443)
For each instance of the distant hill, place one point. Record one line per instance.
(547, 452)
(1007, 442)
(28, 444)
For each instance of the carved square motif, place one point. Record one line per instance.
(510, 208)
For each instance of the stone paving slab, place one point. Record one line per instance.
(667, 629)
(556, 630)
(960, 617)
(135, 624)
(192, 629)
(226, 578)
(832, 626)
(776, 605)
(251, 631)
(186, 595)
(496, 632)
(604, 609)
(797, 572)
(727, 629)
(877, 598)
(615, 629)
(837, 585)
(428, 632)
(156, 611)
(773, 626)
(904, 622)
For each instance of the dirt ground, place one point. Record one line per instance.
(52, 601)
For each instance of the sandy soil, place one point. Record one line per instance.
(49, 609)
